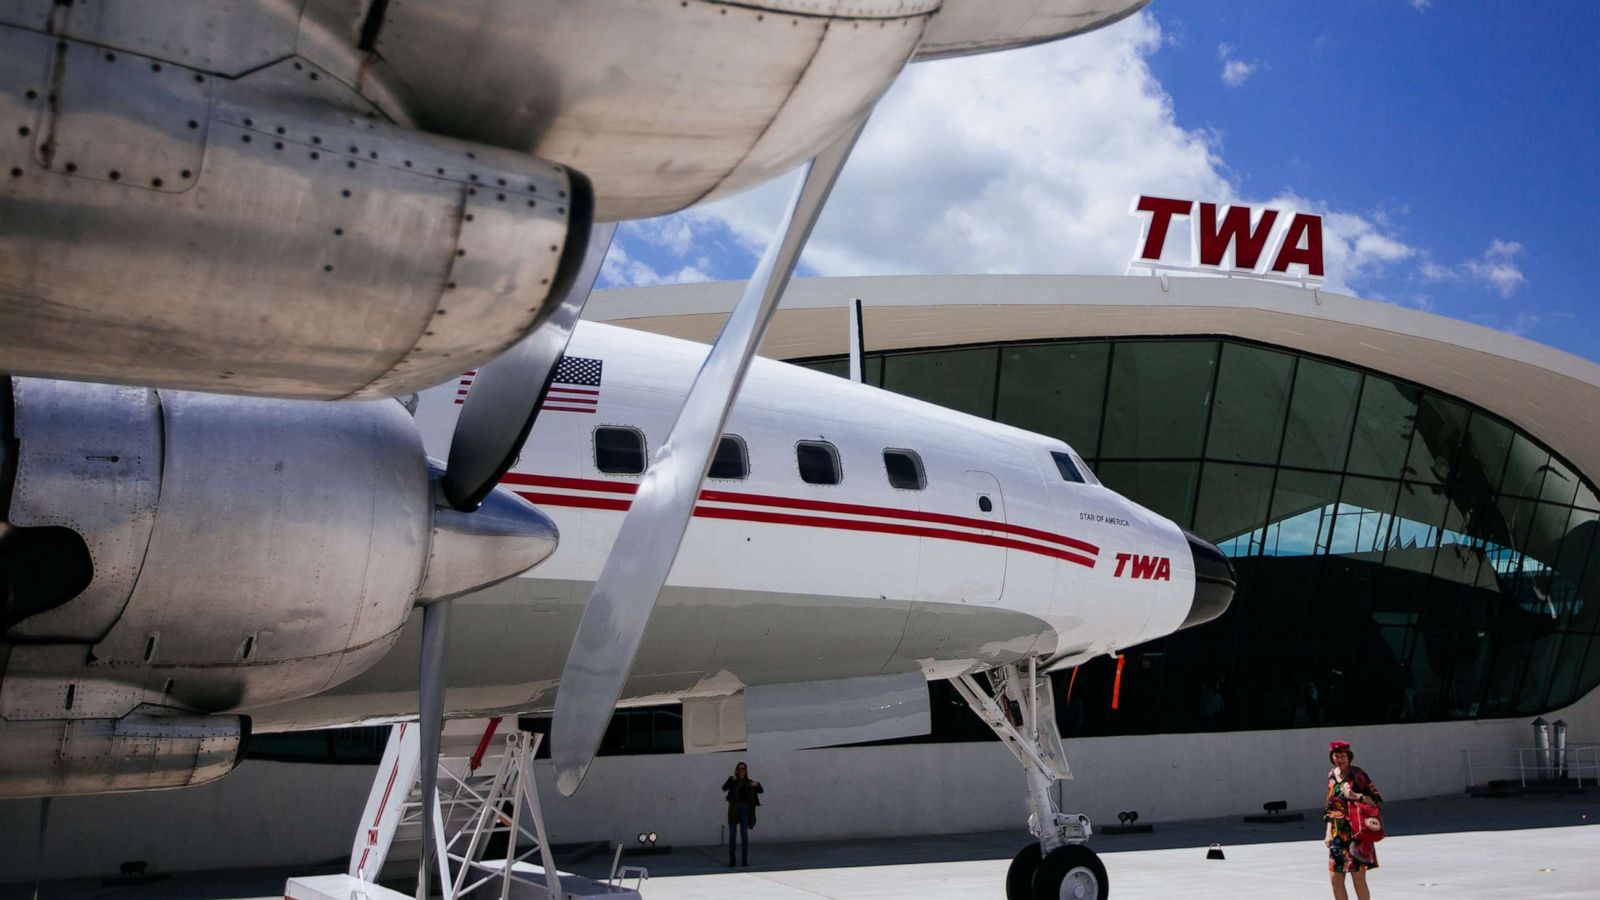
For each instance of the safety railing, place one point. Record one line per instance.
(1578, 762)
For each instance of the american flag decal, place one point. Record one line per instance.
(465, 385)
(576, 385)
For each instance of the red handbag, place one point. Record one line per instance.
(1366, 822)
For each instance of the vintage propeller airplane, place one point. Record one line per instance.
(347, 199)
(266, 554)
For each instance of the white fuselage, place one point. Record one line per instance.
(780, 580)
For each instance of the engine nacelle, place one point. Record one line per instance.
(146, 749)
(270, 236)
(209, 554)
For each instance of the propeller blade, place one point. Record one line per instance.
(506, 394)
(619, 608)
(435, 637)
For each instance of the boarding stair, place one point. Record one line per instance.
(489, 824)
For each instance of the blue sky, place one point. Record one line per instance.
(1450, 147)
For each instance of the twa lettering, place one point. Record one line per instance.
(1152, 568)
(1236, 240)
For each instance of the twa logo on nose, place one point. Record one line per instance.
(1232, 238)
(1152, 568)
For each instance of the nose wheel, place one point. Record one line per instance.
(1072, 872)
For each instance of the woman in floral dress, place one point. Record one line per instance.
(1347, 783)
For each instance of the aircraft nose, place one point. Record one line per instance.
(1213, 582)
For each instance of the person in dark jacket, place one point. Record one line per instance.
(743, 795)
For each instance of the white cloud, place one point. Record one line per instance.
(1024, 162)
(1421, 5)
(620, 269)
(1235, 72)
(1497, 268)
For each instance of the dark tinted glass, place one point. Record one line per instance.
(905, 470)
(1440, 429)
(819, 462)
(1232, 506)
(1418, 520)
(1525, 468)
(1301, 517)
(1252, 397)
(1055, 389)
(1065, 465)
(1383, 428)
(1159, 396)
(731, 460)
(1320, 414)
(1166, 487)
(955, 379)
(619, 451)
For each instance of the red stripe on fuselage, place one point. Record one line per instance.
(628, 487)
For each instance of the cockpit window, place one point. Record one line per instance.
(1069, 468)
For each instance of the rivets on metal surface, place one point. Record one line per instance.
(298, 67)
(440, 171)
(531, 204)
(24, 131)
(471, 155)
(111, 57)
(554, 248)
(72, 167)
(245, 138)
(449, 287)
(461, 252)
(156, 182)
(187, 174)
(408, 163)
(472, 192)
(373, 154)
(472, 177)
(327, 268)
(114, 175)
(249, 123)
(193, 124)
(354, 149)
(471, 217)
(561, 210)
(314, 76)
(155, 67)
(277, 145)
(500, 181)
(338, 232)
(351, 164)
(281, 130)
(16, 172)
(199, 79)
(32, 95)
(345, 192)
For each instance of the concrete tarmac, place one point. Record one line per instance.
(1534, 847)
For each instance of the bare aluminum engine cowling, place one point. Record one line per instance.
(219, 553)
(271, 235)
(146, 749)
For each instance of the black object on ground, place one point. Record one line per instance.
(1275, 814)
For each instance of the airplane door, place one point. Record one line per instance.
(982, 567)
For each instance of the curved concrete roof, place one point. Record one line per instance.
(1553, 395)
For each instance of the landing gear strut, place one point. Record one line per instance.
(1022, 714)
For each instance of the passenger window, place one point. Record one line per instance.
(905, 470)
(732, 460)
(819, 462)
(1069, 469)
(619, 450)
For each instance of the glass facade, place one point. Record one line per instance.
(1401, 555)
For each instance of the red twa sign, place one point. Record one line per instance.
(1237, 240)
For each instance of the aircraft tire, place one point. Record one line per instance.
(1019, 878)
(1072, 872)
